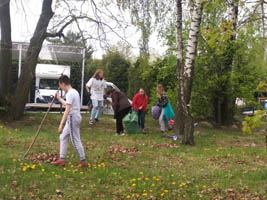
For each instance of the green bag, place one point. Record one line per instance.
(131, 122)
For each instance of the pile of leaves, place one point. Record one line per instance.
(119, 149)
(43, 157)
(167, 145)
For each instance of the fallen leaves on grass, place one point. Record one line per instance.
(230, 194)
(43, 157)
(118, 149)
(167, 145)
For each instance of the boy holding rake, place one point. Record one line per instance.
(73, 118)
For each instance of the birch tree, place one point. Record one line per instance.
(186, 78)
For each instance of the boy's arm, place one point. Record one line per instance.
(60, 99)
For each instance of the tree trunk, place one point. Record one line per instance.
(227, 102)
(191, 50)
(263, 26)
(24, 83)
(179, 124)
(5, 52)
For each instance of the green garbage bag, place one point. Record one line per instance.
(131, 122)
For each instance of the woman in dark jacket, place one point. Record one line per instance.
(121, 107)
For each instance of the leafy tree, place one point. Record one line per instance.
(116, 69)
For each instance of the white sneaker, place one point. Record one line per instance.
(91, 122)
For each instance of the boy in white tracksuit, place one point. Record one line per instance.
(73, 118)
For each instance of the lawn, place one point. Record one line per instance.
(224, 164)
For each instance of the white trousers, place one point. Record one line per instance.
(72, 130)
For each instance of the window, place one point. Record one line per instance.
(49, 84)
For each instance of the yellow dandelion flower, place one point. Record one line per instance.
(157, 179)
(33, 166)
(139, 179)
(144, 194)
(154, 177)
(43, 170)
(141, 173)
(128, 197)
(71, 166)
(153, 185)
(217, 185)
(64, 168)
(172, 175)
(150, 190)
(200, 195)
(173, 182)
(14, 160)
(162, 194)
(166, 191)
(81, 172)
(53, 172)
(197, 186)
(134, 185)
(204, 186)
(137, 195)
(146, 179)
(24, 169)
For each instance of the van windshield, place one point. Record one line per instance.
(49, 84)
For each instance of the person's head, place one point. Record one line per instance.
(160, 89)
(110, 91)
(64, 82)
(141, 91)
(99, 74)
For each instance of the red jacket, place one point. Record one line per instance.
(139, 100)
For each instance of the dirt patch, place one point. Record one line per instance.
(43, 157)
(167, 145)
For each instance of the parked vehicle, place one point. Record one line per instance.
(46, 83)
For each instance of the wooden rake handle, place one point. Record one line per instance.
(40, 126)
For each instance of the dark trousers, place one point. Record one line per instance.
(119, 117)
(141, 118)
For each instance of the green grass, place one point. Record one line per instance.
(223, 164)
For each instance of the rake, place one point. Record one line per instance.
(40, 126)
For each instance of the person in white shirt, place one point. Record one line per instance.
(71, 121)
(96, 86)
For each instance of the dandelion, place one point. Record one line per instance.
(166, 191)
(162, 194)
(14, 160)
(134, 185)
(172, 175)
(53, 172)
(128, 197)
(173, 183)
(141, 173)
(64, 168)
(217, 185)
(139, 179)
(33, 166)
(99, 165)
(157, 179)
(137, 195)
(146, 179)
(151, 191)
(200, 195)
(197, 186)
(43, 170)
(153, 185)
(24, 169)
(71, 166)
(81, 172)
(144, 194)
(204, 186)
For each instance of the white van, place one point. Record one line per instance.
(46, 83)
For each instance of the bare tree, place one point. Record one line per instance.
(5, 51)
